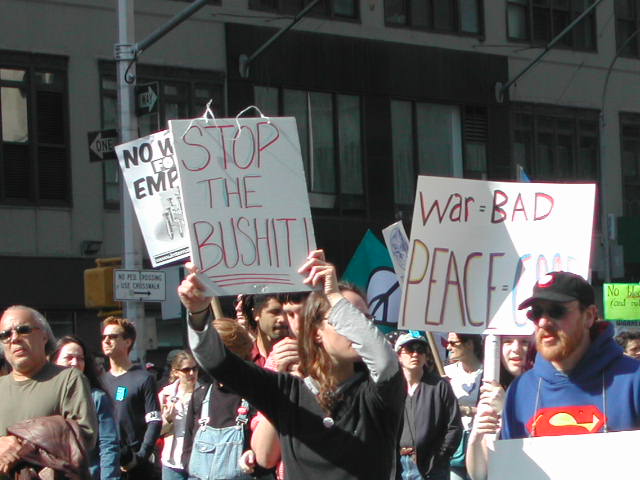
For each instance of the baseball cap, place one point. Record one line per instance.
(407, 338)
(561, 287)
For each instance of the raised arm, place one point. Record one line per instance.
(366, 338)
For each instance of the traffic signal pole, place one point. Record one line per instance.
(128, 126)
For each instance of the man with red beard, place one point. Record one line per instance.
(581, 381)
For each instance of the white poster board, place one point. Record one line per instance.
(595, 456)
(398, 245)
(149, 171)
(246, 202)
(478, 247)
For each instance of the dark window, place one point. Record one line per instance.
(556, 144)
(34, 158)
(630, 145)
(435, 139)
(330, 133)
(184, 93)
(628, 27)
(539, 21)
(338, 9)
(455, 16)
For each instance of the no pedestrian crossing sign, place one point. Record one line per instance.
(140, 285)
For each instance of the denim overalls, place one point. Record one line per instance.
(215, 451)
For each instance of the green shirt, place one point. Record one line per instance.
(54, 390)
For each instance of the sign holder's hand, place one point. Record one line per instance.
(193, 296)
(319, 272)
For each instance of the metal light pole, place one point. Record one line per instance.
(128, 126)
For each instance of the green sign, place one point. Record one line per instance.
(622, 302)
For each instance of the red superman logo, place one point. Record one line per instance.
(568, 420)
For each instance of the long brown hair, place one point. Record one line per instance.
(315, 362)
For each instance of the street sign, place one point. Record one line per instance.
(102, 145)
(141, 285)
(147, 98)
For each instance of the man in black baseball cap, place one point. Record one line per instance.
(579, 371)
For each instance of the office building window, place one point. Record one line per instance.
(556, 144)
(330, 132)
(539, 21)
(337, 9)
(183, 93)
(454, 16)
(435, 139)
(628, 27)
(34, 125)
(630, 146)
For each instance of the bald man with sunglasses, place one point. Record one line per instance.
(581, 382)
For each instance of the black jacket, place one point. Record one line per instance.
(438, 427)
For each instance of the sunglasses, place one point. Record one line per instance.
(111, 336)
(555, 311)
(188, 369)
(415, 348)
(454, 343)
(5, 335)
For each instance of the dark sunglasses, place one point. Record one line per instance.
(454, 343)
(111, 336)
(188, 369)
(415, 348)
(555, 311)
(5, 335)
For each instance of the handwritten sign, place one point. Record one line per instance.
(478, 247)
(246, 202)
(565, 457)
(622, 303)
(149, 170)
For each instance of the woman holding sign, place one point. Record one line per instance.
(339, 420)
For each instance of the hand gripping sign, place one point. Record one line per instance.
(478, 247)
(245, 200)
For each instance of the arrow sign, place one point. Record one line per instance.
(147, 98)
(141, 285)
(102, 145)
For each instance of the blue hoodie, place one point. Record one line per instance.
(602, 393)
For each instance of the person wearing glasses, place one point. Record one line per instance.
(432, 428)
(174, 401)
(465, 375)
(133, 392)
(581, 381)
(35, 387)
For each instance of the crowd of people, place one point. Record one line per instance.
(304, 385)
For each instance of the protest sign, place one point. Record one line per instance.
(246, 203)
(398, 245)
(588, 457)
(149, 171)
(622, 303)
(478, 247)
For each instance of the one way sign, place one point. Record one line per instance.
(102, 145)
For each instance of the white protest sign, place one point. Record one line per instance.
(149, 171)
(398, 245)
(587, 457)
(478, 247)
(246, 202)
